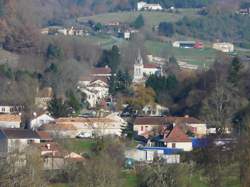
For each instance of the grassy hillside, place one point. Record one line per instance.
(193, 56)
(151, 18)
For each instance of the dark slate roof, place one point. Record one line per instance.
(20, 134)
(150, 120)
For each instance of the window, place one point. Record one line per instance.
(3, 109)
(141, 128)
(173, 145)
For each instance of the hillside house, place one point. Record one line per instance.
(101, 72)
(224, 47)
(146, 6)
(95, 90)
(16, 140)
(10, 121)
(188, 44)
(177, 139)
(154, 110)
(144, 125)
(99, 126)
(39, 120)
(10, 109)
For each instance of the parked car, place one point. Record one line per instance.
(85, 135)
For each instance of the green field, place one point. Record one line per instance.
(151, 18)
(192, 56)
(78, 145)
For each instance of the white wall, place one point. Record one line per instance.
(186, 146)
(10, 124)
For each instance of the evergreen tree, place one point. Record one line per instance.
(139, 22)
(57, 108)
(234, 71)
(73, 101)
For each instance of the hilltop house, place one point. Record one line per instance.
(10, 121)
(16, 140)
(224, 47)
(99, 126)
(141, 71)
(145, 6)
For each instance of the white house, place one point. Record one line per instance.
(10, 109)
(224, 47)
(39, 120)
(10, 121)
(16, 140)
(145, 6)
(95, 90)
(141, 71)
(43, 97)
(177, 139)
(154, 110)
(99, 126)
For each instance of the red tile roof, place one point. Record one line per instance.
(151, 66)
(101, 71)
(177, 135)
(44, 135)
(182, 120)
(151, 120)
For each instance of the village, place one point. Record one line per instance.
(124, 93)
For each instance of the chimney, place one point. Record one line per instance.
(48, 146)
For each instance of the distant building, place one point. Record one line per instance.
(224, 47)
(101, 72)
(10, 109)
(43, 97)
(144, 70)
(16, 140)
(154, 110)
(145, 6)
(39, 120)
(99, 126)
(177, 139)
(10, 121)
(188, 44)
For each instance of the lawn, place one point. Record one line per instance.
(151, 18)
(192, 56)
(130, 179)
(78, 145)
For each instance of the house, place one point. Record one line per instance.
(99, 126)
(156, 60)
(16, 139)
(10, 121)
(154, 110)
(101, 72)
(39, 120)
(177, 139)
(144, 125)
(95, 90)
(224, 47)
(10, 109)
(188, 44)
(141, 71)
(54, 156)
(43, 97)
(145, 6)
(187, 123)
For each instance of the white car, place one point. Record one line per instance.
(84, 135)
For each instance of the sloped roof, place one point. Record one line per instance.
(182, 120)
(150, 120)
(177, 135)
(44, 135)
(151, 66)
(101, 70)
(10, 117)
(20, 134)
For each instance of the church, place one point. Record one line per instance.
(142, 71)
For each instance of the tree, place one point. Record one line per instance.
(73, 101)
(110, 58)
(57, 108)
(166, 28)
(234, 71)
(160, 174)
(138, 22)
(54, 52)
